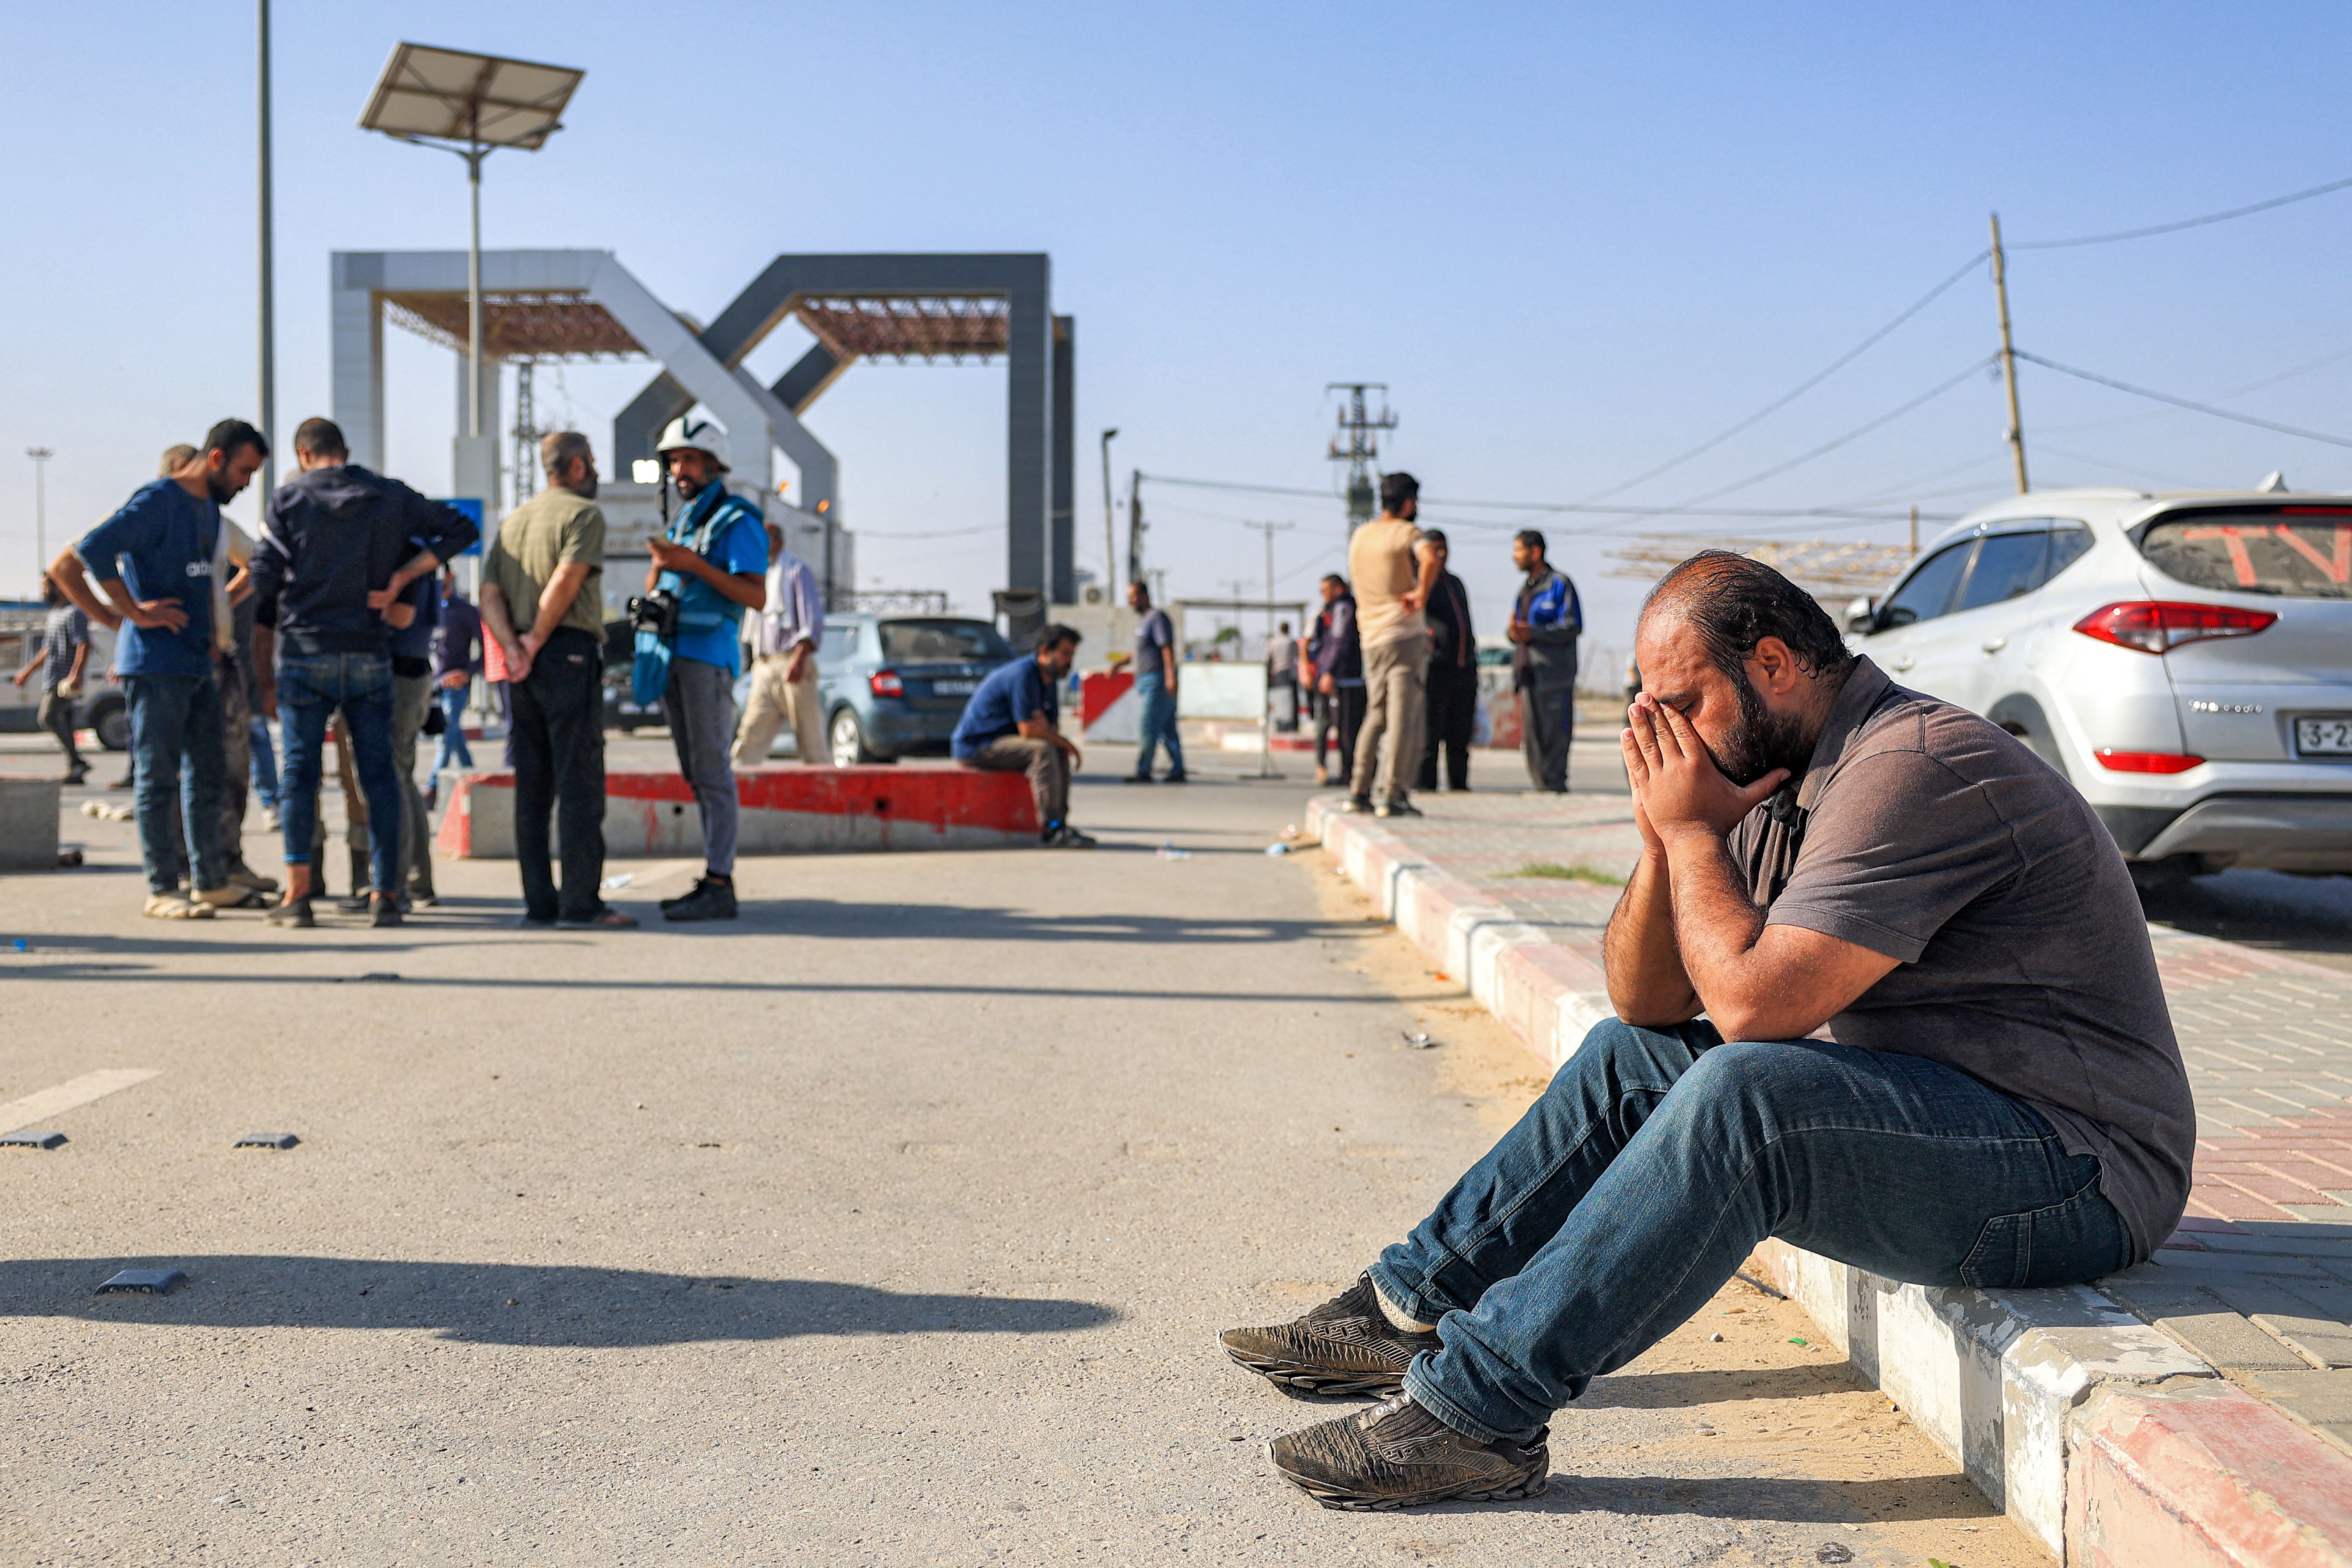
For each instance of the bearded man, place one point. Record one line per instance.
(1883, 990)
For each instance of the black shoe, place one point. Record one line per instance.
(1398, 1455)
(76, 775)
(359, 903)
(606, 917)
(1398, 808)
(1137, 778)
(1347, 1345)
(1068, 837)
(296, 914)
(711, 899)
(1358, 803)
(1178, 776)
(386, 912)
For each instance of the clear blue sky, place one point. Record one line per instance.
(1574, 239)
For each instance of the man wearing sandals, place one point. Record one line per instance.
(1883, 990)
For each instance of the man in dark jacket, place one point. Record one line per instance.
(1338, 663)
(1544, 625)
(1452, 684)
(333, 567)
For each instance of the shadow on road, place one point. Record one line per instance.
(515, 1304)
(1788, 1500)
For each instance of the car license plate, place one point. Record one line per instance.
(954, 687)
(2330, 736)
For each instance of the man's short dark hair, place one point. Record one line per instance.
(319, 437)
(1335, 577)
(1396, 489)
(1434, 536)
(1534, 540)
(231, 437)
(1734, 603)
(559, 447)
(1054, 636)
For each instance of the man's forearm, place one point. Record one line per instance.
(1648, 987)
(555, 601)
(1716, 926)
(67, 571)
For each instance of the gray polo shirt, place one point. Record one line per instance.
(1927, 834)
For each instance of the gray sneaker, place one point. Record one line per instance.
(1398, 1455)
(1347, 1345)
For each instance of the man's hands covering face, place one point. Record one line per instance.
(1677, 788)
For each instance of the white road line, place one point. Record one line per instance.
(18, 1114)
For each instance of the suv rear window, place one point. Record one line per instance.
(2296, 552)
(941, 642)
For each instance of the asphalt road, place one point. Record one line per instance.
(892, 1225)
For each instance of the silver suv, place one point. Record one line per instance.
(2185, 659)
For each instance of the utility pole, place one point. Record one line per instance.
(269, 345)
(1110, 532)
(1362, 429)
(2008, 357)
(40, 456)
(1914, 531)
(1135, 530)
(1269, 530)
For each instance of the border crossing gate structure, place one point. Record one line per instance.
(583, 304)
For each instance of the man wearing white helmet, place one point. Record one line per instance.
(713, 561)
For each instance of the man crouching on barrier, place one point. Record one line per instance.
(1934, 1046)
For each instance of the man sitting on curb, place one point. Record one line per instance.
(1935, 1047)
(1011, 725)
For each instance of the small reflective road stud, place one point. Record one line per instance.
(31, 1140)
(266, 1140)
(144, 1281)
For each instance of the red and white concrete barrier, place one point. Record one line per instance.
(786, 811)
(1110, 712)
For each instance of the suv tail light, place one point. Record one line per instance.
(2153, 625)
(2146, 762)
(886, 683)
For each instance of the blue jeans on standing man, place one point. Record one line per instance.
(453, 747)
(1659, 1158)
(310, 687)
(262, 774)
(1159, 705)
(176, 745)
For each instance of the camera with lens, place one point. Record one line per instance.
(656, 612)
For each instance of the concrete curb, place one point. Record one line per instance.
(2102, 1437)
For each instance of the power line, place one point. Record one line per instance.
(2185, 223)
(2184, 403)
(1786, 398)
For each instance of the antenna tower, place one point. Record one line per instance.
(1362, 448)
(526, 435)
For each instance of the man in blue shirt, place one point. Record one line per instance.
(714, 559)
(153, 561)
(1155, 686)
(1545, 624)
(1011, 725)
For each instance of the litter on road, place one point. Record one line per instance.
(144, 1283)
(32, 1139)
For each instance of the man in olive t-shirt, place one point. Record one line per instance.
(1392, 572)
(543, 603)
(1883, 991)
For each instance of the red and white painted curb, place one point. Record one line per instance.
(786, 811)
(2105, 1439)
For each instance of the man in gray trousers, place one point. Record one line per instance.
(1545, 624)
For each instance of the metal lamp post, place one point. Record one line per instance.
(40, 456)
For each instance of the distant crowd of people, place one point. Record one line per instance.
(343, 621)
(1390, 665)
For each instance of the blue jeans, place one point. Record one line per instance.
(1158, 724)
(263, 770)
(176, 745)
(310, 687)
(453, 747)
(1659, 1158)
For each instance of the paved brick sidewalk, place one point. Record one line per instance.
(2259, 1278)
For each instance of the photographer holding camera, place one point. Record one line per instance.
(709, 567)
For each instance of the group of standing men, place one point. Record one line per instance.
(1392, 662)
(333, 614)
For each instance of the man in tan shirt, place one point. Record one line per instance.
(1393, 572)
(542, 602)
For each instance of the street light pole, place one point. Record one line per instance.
(1110, 532)
(473, 157)
(40, 456)
(268, 308)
